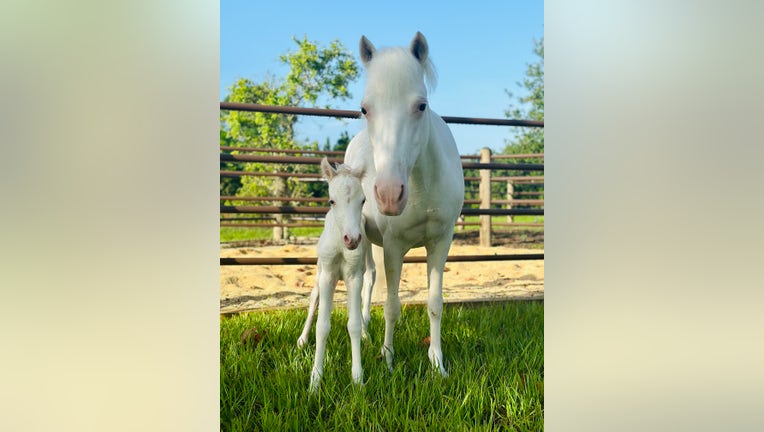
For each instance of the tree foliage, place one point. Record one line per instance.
(529, 106)
(315, 72)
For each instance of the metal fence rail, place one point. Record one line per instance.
(324, 210)
(406, 260)
(321, 112)
(290, 156)
(305, 160)
(341, 153)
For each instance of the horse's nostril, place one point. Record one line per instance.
(400, 197)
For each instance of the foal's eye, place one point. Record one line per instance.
(422, 106)
(331, 202)
(363, 110)
(363, 201)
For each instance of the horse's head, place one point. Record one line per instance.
(346, 199)
(397, 115)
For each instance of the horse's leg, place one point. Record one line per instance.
(326, 282)
(393, 265)
(311, 312)
(436, 262)
(354, 284)
(369, 277)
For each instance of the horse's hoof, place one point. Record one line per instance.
(315, 381)
(436, 359)
(388, 354)
(301, 342)
(358, 378)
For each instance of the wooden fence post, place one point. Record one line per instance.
(510, 196)
(485, 199)
(279, 190)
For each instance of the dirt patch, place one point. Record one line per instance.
(272, 286)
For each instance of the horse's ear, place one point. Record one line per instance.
(366, 49)
(419, 48)
(327, 170)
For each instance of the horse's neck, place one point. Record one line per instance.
(433, 159)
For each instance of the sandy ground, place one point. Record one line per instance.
(261, 287)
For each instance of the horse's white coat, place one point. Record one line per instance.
(413, 172)
(343, 251)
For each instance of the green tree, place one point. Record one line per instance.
(321, 189)
(342, 142)
(315, 72)
(228, 185)
(528, 106)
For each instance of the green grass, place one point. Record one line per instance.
(494, 355)
(229, 234)
(503, 219)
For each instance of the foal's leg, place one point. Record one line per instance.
(354, 283)
(311, 312)
(369, 277)
(393, 267)
(436, 262)
(326, 283)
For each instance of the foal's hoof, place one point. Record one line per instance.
(301, 342)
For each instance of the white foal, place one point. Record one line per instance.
(343, 251)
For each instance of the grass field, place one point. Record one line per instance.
(494, 355)
(229, 234)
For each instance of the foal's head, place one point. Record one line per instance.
(397, 115)
(346, 199)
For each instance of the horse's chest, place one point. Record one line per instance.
(415, 227)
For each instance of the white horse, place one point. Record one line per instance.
(413, 171)
(343, 252)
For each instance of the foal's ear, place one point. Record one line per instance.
(366, 49)
(359, 172)
(327, 170)
(419, 48)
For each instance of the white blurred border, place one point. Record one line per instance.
(109, 265)
(653, 199)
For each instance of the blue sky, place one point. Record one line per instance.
(479, 49)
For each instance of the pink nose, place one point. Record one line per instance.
(391, 197)
(351, 243)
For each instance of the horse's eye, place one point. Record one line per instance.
(331, 202)
(363, 110)
(363, 201)
(422, 107)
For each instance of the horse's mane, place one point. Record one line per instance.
(385, 57)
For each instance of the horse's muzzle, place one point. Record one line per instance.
(391, 198)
